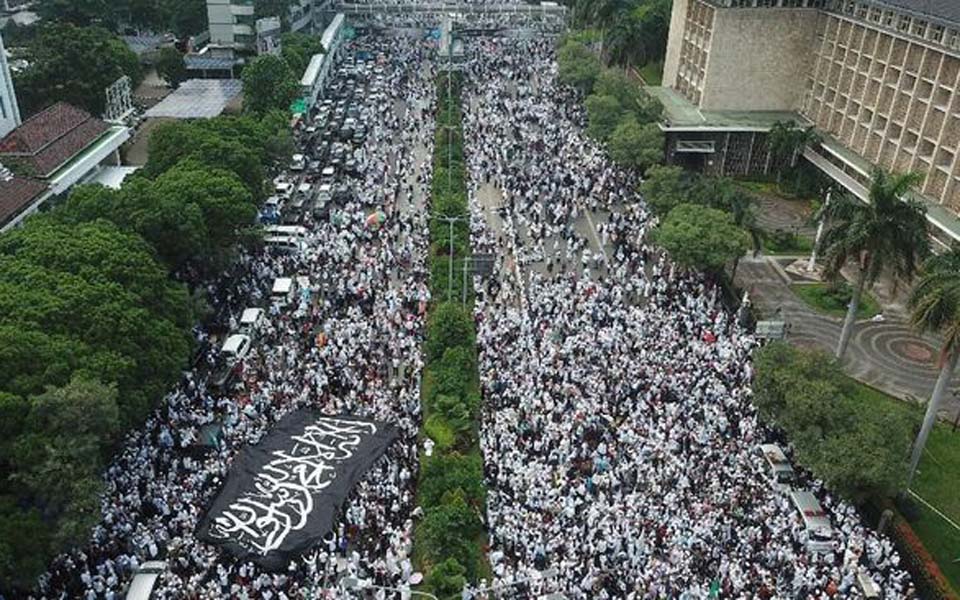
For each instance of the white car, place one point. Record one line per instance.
(236, 348)
(145, 578)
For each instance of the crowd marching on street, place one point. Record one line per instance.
(350, 346)
(617, 431)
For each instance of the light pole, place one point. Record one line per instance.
(352, 583)
(450, 221)
(545, 574)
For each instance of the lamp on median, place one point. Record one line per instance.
(352, 583)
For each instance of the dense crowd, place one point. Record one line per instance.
(618, 432)
(366, 301)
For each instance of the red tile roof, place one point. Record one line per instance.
(16, 194)
(50, 138)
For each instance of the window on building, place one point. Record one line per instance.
(875, 14)
(903, 23)
(919, 28)
(936, 33)
(888, 17)
(861, 11)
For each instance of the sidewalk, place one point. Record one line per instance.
(887, 355)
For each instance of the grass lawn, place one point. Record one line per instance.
(652, 73)
(936, 482)
(786, 244)
(817, 297)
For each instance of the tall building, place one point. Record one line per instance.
(9, 110)
(233, 23)
(877, 78)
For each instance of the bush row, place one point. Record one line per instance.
(449, 538)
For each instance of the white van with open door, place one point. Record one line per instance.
(816, 523)
(778, 468)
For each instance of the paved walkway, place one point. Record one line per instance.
(887, 355)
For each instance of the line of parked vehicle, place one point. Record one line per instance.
(330, 153)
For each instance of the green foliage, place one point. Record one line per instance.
(636, 146)
(447, 578)
(182, 17)
(579, 66)
(442, 434)
(75, 65)
(833, 298)
(268, 84)
(450, 326)
(699, 237)
(171, 67)
(447, 531)
(857, 450)
(603, 115)
(444, 473)
(297, 49)
(935, 301)
(666, 187)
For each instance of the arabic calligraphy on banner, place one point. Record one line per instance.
(306, 466)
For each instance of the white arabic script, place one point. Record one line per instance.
(282, 500)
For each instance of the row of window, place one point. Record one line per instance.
(937, 33)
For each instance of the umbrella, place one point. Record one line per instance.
(376, 219)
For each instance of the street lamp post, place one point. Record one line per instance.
(450, 221)
(352, 583)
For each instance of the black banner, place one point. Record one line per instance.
(282, 495)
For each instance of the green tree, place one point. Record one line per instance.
(75, 65)
(935, 307)
(699, 237)
(857, 450)
(604, 113)
(447, 578)
(77, 12)
(450, 326)
(298, 48)
(578, 66)
(887, 234)
(636, 146)
(446, 473)
(187, 17)
(787, 141)
(171, 67)
(268, 84)
(664, 187)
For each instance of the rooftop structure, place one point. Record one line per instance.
(17, 194)
(877, 78)
(58, 148)
(233, 23)
(198, 99)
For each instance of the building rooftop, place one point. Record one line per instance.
(49, 139)
(198, 99)
(944, 9)
(681, 114)
(17, 194)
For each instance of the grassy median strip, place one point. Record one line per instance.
(450, 538)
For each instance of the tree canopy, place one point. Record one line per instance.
(636, 146)
(75, 65)
(699, 237)
(579, 66)
(182, 17)
(171, 67)
(268, 84)
(858, 450)
(297, 49)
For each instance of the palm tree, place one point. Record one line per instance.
(786, 141)
(887, 234)
(935, 306)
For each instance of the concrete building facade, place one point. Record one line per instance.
(9, 109)
(877, 78)
(233, 23)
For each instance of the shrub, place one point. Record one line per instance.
(450, 326)
(447, 578)
(438, 430)
(447, 473)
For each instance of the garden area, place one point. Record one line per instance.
(450, 540)
(833, 298)
(857, 439)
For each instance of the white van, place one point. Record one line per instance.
(779, 469)
(285, 244)
(236, 348)
(284, 291)
(146, 576)
(294, 231)
(815, 521)
(284, 189)
(298, 163)
(251, 321)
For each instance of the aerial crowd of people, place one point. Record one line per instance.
(617, 428)
(618, 435)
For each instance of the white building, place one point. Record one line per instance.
(232, 23)
(9, 110)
